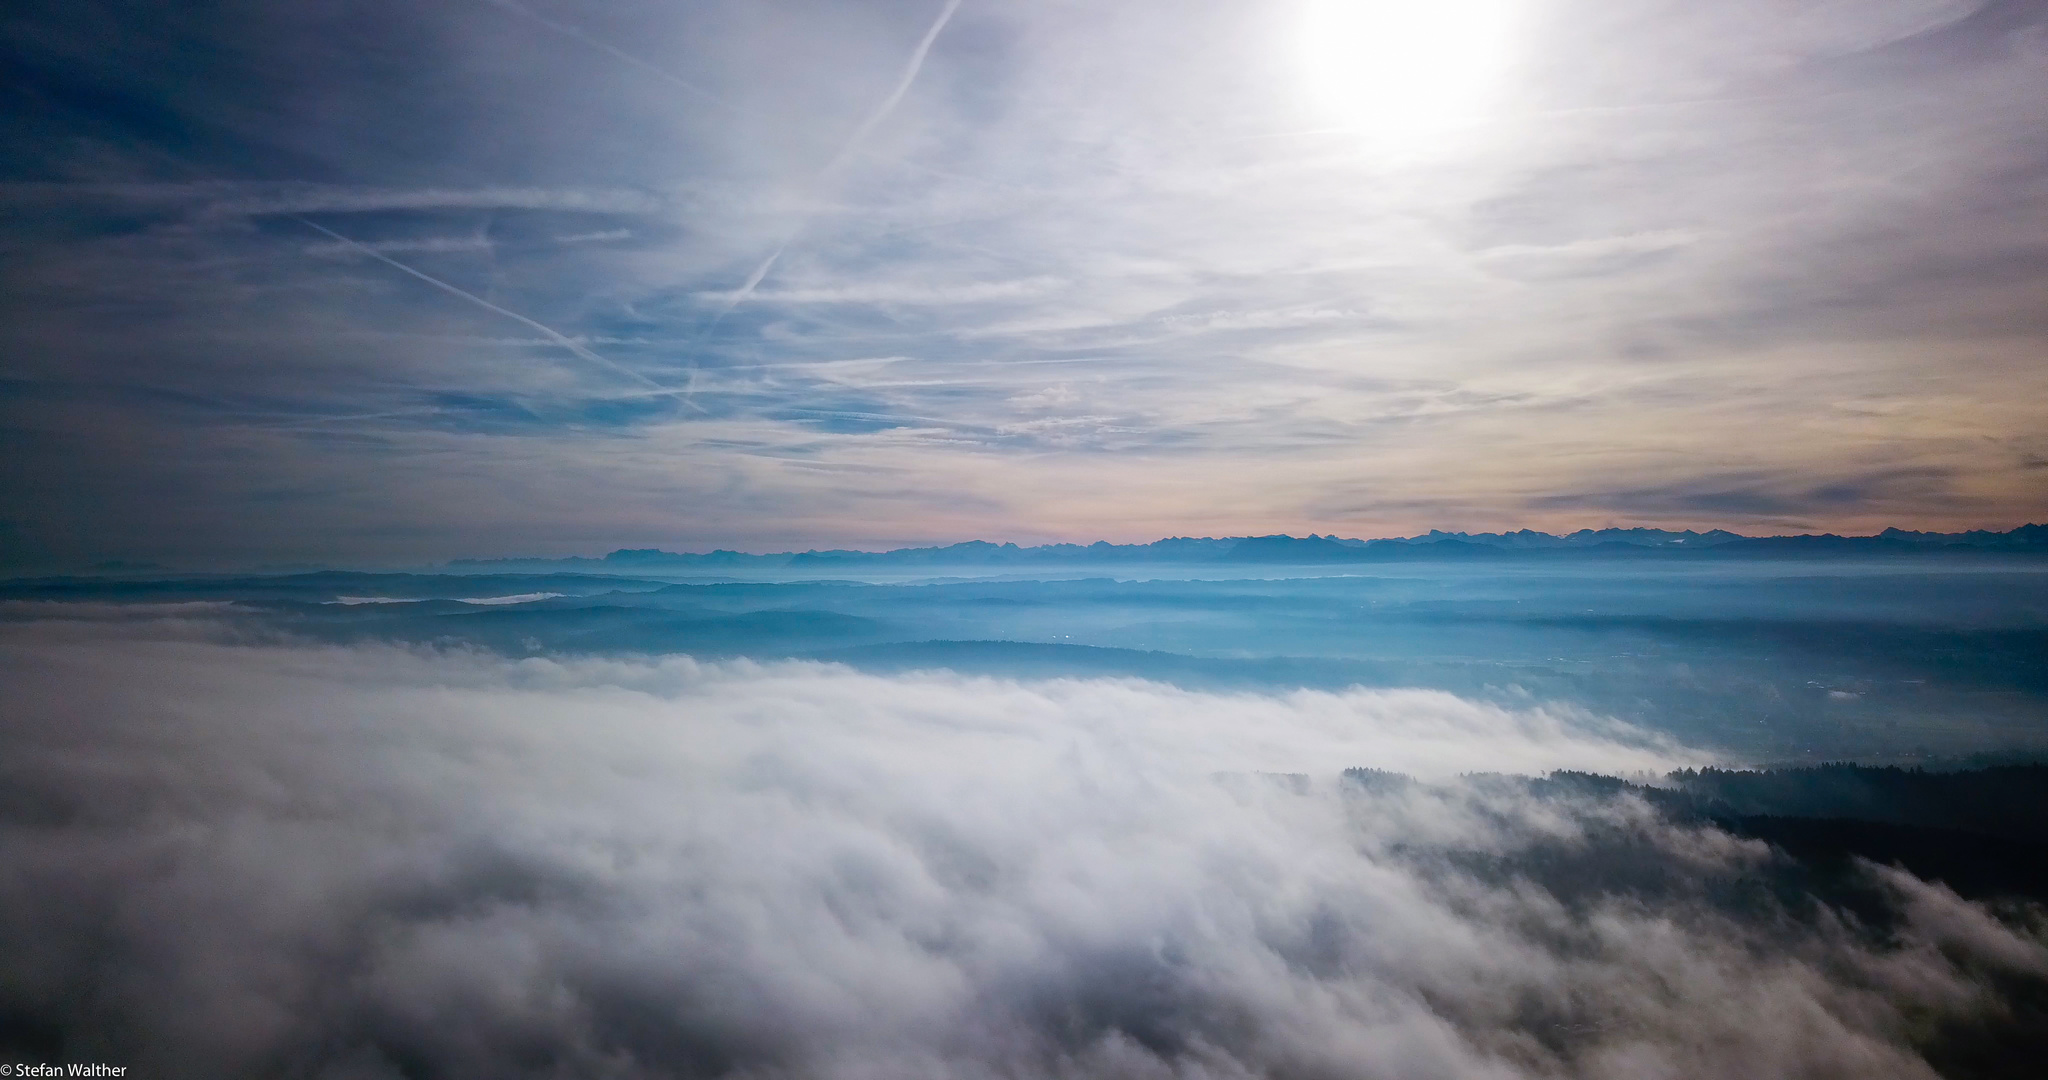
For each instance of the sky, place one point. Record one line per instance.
(383, 281)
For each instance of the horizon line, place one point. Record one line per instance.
(1331, 537)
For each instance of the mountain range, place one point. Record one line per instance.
(1312, 549)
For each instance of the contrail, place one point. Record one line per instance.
(566, 30)
(888, 105)
(880, 113)
(549, 332)
(753, 280)
(847, 150)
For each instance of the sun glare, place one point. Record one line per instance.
(1403, 66)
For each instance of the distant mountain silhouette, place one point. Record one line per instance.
(1308, 550)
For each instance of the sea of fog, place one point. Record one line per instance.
(1438, 821)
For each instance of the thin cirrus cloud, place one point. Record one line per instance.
(901, 292)
(429, 245)
(1667, 244)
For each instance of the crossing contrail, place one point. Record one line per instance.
(549, 332)
(888, 105)
(881, 112)
(567, 30)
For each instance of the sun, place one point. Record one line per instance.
(1403, 66)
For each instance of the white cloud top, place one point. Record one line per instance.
(348, 862)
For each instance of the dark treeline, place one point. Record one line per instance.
(1981, 832)
(1976, 832)
(2009, 801)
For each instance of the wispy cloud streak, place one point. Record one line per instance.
(569, 31)
(895, 98)
(851, 147)
(549, 332)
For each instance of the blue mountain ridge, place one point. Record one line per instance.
(1311, 549)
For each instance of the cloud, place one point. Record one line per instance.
(1763, 497)
(557, 337)
(1603, 255)
(853, 143)
(434, 245)
(294, 200)
(236, 860)
(1700, 241)
(901, 293)
(600, 236)
(1261, 320)
(487, 601)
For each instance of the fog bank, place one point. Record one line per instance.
(227, 859)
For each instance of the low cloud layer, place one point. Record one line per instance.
(221, 860)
